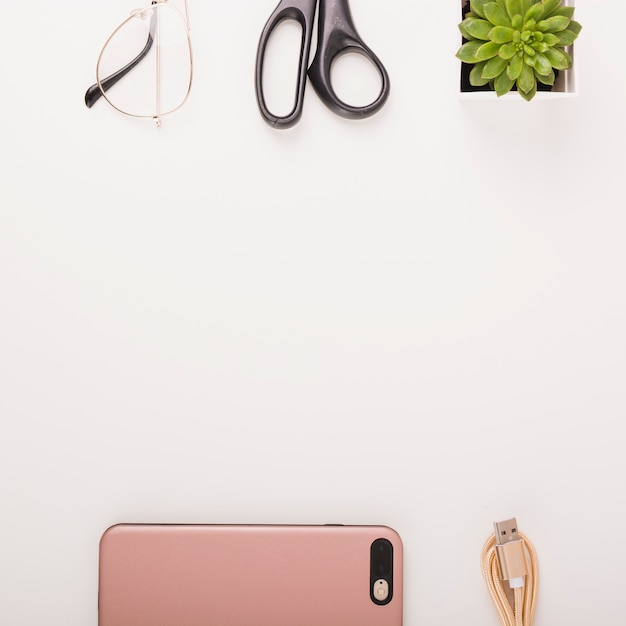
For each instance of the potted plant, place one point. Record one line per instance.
(517, 45)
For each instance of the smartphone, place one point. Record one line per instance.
(250, 575)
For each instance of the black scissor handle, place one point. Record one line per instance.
(303, 11)
(337, 35)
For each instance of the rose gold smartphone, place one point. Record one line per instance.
(237, 575)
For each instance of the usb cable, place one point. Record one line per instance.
(511, 570)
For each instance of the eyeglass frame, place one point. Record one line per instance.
(101, 86)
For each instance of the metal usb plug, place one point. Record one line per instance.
(510, 552)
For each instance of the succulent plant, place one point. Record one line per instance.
(517, 42)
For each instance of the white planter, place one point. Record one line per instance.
(565, 86)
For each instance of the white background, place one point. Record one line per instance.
(415, 320)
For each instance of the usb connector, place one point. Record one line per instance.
(510, 551)
(509, 555)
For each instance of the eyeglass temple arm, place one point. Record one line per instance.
(94, 92)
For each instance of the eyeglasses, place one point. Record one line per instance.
(157, 41)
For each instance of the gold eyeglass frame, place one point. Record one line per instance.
(143, 14)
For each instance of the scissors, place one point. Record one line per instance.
(336, 35)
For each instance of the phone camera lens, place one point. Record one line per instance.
(381, 571)
(382, 557)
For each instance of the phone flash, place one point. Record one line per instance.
(381, 589)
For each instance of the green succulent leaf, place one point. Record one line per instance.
(566, 11)
(514, 68)
(507, 51)
(475, 76)
(540, 46)
(526, 5)
(552, 40)
(575, 27)
(526, 80)
(467, 52)
(542, 65)
(476, 6)
(496, 14)
(528, 95)
(517, 21)
(546, 80)
(513, 7)
(503, 84)
(529, 50)
(566, 38)
(553, 24)
(479, 29)
(549, 6)
(559, 59)
(463, 28)
(501, 34)
(487, 51)
(494, 67)
(534, 13)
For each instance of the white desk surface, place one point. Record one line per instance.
(415, 320)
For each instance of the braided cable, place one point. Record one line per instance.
(522, 613)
